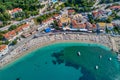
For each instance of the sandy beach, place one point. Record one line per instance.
(54, 38)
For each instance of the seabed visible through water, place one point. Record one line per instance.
(60, 61)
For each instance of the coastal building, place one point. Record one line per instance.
(94, 27)
(60, 25)
(47, 30)
(64, 13)
(47, 21)
(19, 31)
(115, 7)
(101, 14)
(118, 14)
(14, 11)
(78, 26)
(89, 26)
(109, 12)
(109, 26)
(65, 20)
(10, 36)
(25, 27)
(22, 28)
(71, 11)
(101, 26)
(95, 14)
(25, 35)
(56, 16)
(3, 50)
(78, 17)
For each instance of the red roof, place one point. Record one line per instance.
(47, 20)
(24, 26)
(19, 29)
(10, 34)
(71, 11)
(78, 25)
(95, 14)
(56, 15)
(82, 25)
(16, 10)
(88, 24)
(2, 47)
(94, 26)
(115, 7)
(26, 34)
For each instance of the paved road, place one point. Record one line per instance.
(26, 20)
(102, 6)
(96, 3)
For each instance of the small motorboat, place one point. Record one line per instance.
(100, 56)
(78, 53)
(96, 67)
(110, 59)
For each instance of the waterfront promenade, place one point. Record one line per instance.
(42, 40)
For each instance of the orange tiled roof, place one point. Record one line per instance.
(19, 29)
(24, 26)
(71, 11)
(82, 25)
(115, 7)
(94, 25)
(78, 25)
(56, 15)
(10, 34)
(88, 24)
(2, 47)
(95, 13)
(16, 10)
(47, 20)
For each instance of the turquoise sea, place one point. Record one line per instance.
(59, 61)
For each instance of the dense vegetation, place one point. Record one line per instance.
(108, 1)
(81, 5)
(44, 17)
(30, 8)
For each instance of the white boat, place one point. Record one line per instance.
(100, 56)
(96, 67)
(110, 58)
(78, 53)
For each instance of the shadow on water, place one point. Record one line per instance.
(58, 57)
(18, 79)
(87, 75)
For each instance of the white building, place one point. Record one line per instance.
(3, 49)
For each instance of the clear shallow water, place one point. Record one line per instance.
(38, 65)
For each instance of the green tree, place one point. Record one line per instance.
(1, 36)
(6, 42)
(12, 27)
(7, 16)
(2, 9)
(14, 42)
(109, 19)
